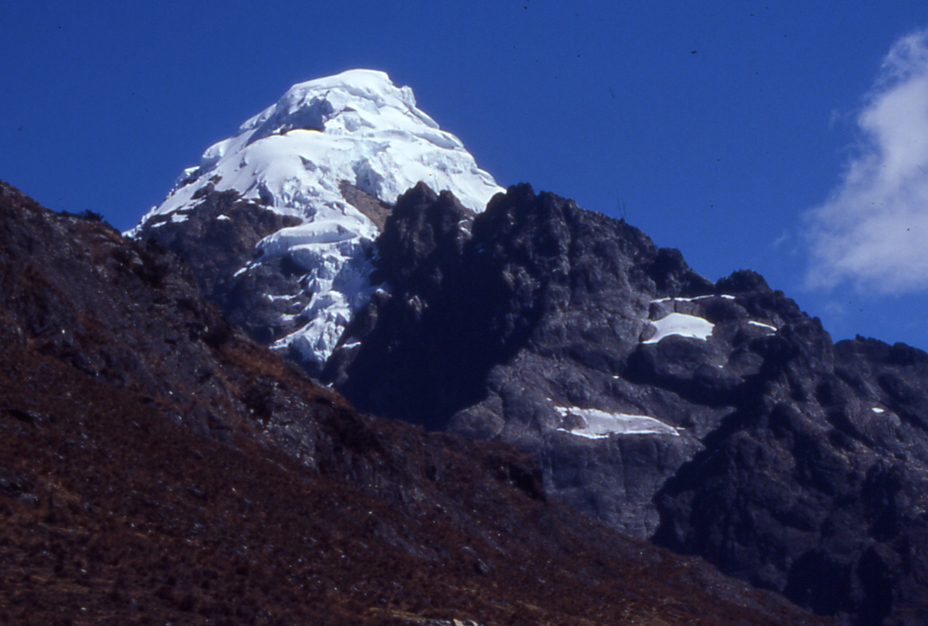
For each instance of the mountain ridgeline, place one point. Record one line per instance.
(715, 419)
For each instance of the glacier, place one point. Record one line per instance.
(295, 157)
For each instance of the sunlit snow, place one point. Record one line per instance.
(355, 127)
(762, 325)
(682, 325)
(724, 296)
(598, 424)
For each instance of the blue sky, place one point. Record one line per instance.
(788, 137)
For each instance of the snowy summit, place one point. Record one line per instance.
(295, 157)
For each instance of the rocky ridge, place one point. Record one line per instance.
(518, 322)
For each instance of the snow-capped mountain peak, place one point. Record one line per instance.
(334, 99)
(355, 130)
(356, 127)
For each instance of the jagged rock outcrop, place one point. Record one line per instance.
(717, 418)
(156, 465)
(821, 475)
(518, 322)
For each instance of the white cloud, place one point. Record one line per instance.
(873, 230)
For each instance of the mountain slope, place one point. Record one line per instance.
(158, 466)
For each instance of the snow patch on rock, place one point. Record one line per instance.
(681, 325)
(724, 296)
(597, 424)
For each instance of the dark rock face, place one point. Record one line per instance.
(822, 480)
(783, 459)
(512, 324)
(156, 465)
(470, 293)
(216, 249)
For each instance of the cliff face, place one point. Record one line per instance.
(544, 325)
(821, 477)
(717, 419)
(156, 465)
